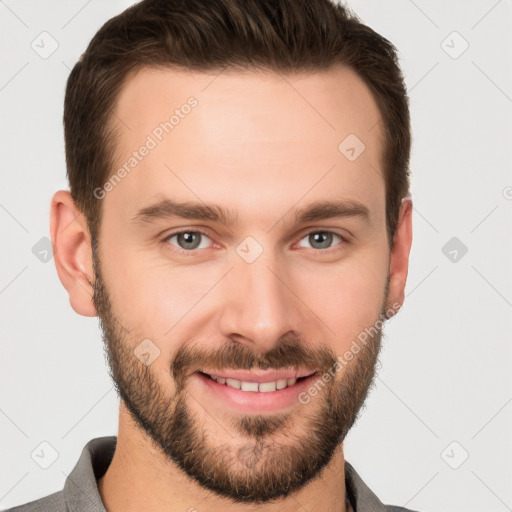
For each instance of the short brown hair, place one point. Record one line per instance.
(206, 35)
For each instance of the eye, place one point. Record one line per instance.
(322, 240)
(187, 240)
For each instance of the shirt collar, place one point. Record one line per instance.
(360, 495)
(81, 488)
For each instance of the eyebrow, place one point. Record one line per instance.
(320, 210)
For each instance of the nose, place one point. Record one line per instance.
(259, 304)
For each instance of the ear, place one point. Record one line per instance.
(72, 252)
(399, 258)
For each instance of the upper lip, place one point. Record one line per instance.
(259, 376)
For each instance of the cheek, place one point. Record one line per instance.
(348, 296)
(154, 295)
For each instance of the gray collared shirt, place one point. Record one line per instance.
(80, 493)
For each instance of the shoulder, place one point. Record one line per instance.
(362, 497)
(52, 503)
(80, 490)
(394, 508)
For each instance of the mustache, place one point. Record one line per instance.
(289, 352)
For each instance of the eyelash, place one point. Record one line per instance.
(193, 252)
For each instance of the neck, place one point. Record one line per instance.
(141, 477)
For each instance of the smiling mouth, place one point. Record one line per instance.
(261, 387)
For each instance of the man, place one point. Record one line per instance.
(239, 219)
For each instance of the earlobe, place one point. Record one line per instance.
(399, 260)
(72, 252)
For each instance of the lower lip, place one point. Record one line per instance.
(256, 401)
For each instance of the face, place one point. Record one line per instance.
(240, 257)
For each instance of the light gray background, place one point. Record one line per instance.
(446, 364)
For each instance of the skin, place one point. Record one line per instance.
(262, 144)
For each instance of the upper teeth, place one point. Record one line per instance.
(256, 386)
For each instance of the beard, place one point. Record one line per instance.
(257, 458)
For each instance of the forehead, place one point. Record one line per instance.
(251, 137)
(333, 101)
